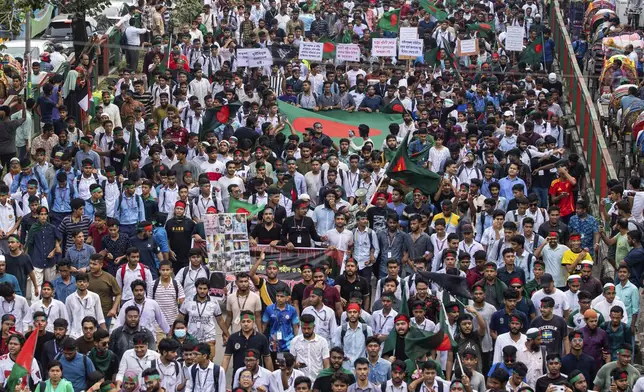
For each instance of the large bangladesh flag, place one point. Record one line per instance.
(430, 7)
(241, 207)
(404, 170)
(533, 53)
(389, 20)
(22, 367)
(337, 123)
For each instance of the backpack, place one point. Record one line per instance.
(637, 224)
(299, 97)
(153, 365)
(78, 179)
(215, 376)
(36, 175)
(156, 286)
(142, 271)
(185, 273)
(53, 194)
(57, 358)
(120, 200)
(344, 331)
(123, 42)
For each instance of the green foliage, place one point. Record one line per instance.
(184, 12)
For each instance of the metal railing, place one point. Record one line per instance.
(595, 148)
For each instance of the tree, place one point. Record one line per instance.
(184, 12)
(79, 9)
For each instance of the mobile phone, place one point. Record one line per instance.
(351, 133)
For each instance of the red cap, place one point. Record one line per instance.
(516, 281)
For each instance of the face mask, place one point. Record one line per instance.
(180, 333)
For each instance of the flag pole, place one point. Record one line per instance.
(377, 187)
(543, 49)
(458, 357)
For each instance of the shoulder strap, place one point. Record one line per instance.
(155, 287)
(142, 266)
(43, 385)
(176, 288)
(153, 364)
(123, 273)
(193, 376)
(215, 376)
(183, 276)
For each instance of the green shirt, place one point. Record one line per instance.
(576, 320)
(602, 380)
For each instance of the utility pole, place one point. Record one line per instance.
(27, 58)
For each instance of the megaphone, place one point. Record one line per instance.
(361, 194)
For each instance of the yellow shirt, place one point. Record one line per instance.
(452, 221)
(569, 258)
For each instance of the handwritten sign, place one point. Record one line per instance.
(514, 38)
(383, 47)
(347, 52)
(260, 58)
(410, 48)
(311, 51)
(408, 33)
(468, 47)
(242, 57)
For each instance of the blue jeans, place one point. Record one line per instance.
(22, 152)
(542, 194)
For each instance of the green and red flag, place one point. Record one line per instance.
(289, 189)
(439, 14)
(407, 172)
(448, 341)
(395, 106)
(485, 30)
(417, 341)
(241, 207)
(389, 20)
(337, 123)
(533, 53)
(328, 49)
(22, 367)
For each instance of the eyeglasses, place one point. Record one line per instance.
(516, 286)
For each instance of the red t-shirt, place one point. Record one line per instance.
(97, 236)
(330, 298)
(566, 204)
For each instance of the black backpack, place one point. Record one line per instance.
(156, 286)
(153, 365)
(185, 273)
(215, 375)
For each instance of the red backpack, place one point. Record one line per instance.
(142, 270)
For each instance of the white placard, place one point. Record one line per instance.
(260, 57)
(408, 33)
(468, 47)
(383, 47)
(410, 47)
(514, 38)
(347, 52)
(311, 51)
(242, 57)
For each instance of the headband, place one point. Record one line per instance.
(622, 376)
(272, 263)
(309, 324)
(576, 378)
(575, 237)
(355, 307)
(152, 377)
(554, 234)
(211, 210)
(180, 203)
(516, 281)
(247, 316)
(401, 317)
(317, 291)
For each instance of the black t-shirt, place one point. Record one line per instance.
(20, 267)
(543, 382)
(271, 290)
(265, 237)
(323, 384)
(544, 178)
(298, 294)
(148, 248)
(552, 332)
(40, 342)
(116, 160)
(346, 287)
(238, 344)
(180, 233)
(378, 217)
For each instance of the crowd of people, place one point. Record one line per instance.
(103, 241)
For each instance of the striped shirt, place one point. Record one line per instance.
(167, 299)
(146, 100)
(276, 83)
(68, 226)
